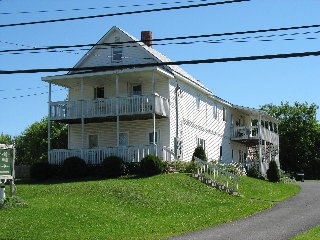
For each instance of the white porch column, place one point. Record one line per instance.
(117, 107)
(82, 118)
(154, 114)
(49, 123)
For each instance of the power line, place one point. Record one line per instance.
(177, 38)
(123, 13)
(217, 41)
(97, 8)
(183, 62)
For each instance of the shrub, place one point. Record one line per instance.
(112, 167)
(132, 168)
(74, 167)
(254, 172)
(151, 165)
(191, 167)
(41, 171)
(199, 153)
(273, 174)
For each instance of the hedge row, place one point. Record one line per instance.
(111, 167)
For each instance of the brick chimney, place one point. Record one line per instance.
(146, 38)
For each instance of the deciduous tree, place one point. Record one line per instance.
(299, 136)
(32, 145)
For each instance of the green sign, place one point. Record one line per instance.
(6, 162)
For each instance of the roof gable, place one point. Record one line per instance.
(133, 52)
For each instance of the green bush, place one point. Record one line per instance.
(199, 153)
(151, 165)
(254, 172)
(74, 167)
(191, 167)
(113, 167)
(41, 171)
(273, 173)
(132, 168)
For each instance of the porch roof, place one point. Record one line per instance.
(65, 80)
(256, 113)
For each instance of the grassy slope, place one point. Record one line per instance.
(148, 208)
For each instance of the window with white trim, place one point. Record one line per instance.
(98, 92)
(117, 51)
(152, 137)
(198, 102)
(137, 89)
(93, 141)
(123, 139)
(215, 111)
(224, 114)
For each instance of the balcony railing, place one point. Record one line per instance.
(107, 107)
(95, 156)
(254, 132)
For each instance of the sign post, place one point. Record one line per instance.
(7, 153)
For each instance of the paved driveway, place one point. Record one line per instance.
(283, 221)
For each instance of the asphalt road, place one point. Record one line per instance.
(285, 220)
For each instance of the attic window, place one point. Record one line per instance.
(117, 51)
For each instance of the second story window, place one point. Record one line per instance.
(215, 111)
(198, 102)
(224, 114)
(136, 89)
(98, 92)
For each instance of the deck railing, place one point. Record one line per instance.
(113, 106)
(254, 132)
(95, 156)
(217, 175)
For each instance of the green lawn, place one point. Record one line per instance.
(146, 208)
(312, 234)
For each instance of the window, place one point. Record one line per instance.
(220, 152)
(117, 51)
(123, 139)
(215, 111)
(198, 102)
(151, 135)
(93, 141)
(98, 92)
(136, 89)
(201, 143)
(224, 114)
(116, 54)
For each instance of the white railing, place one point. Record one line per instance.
(217, 175)
(254, 132)
(244, 132)
(105, 107)
(167, 154)
(95, 156)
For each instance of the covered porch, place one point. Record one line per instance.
(257, 131)
(95, 156)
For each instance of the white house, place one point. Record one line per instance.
(130, 110)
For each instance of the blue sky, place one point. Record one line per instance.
(23, 97)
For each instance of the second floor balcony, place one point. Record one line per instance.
(143, 106)
(253, 133)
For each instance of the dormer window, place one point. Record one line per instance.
(117, 51)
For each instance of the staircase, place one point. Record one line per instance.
(216, 177)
